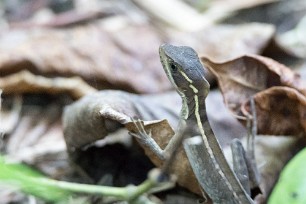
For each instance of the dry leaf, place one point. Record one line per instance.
(280, 110)
(241, 78)
(38, 140)
(251, 74)
(96, 115)
(26, 82)
(101, 54)
(181, 16)
(225, 42)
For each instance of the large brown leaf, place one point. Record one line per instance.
(105, 56)
(281, 111)
(249, 75)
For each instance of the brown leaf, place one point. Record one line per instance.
(26, 82)
(241, 78)
(99, 53)
(96, 115)
(280, 110)
(244, 76)
(236, 40)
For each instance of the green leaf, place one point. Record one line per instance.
(32, 182)
(28, 181)
(291, 187)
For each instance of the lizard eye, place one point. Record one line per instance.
(173, 67)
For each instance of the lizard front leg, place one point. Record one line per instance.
(146, 139)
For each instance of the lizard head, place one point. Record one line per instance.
(184, 70)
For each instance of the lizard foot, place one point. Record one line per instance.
(142, 135)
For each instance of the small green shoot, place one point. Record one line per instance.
(34, 183)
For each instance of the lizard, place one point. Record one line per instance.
(186, 73)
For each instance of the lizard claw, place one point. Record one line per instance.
(141, 133)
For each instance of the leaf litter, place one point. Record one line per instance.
(112, 60)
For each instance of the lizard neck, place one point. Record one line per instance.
(194, 111)
(196, 107)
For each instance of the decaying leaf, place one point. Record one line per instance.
(280, 110)
(38, 139)
(101, 54)
(25, 82)
(236, 40)
(244, 76)
(98, 114)
(249, 75)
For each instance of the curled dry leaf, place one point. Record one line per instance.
(241, 78)
(280, 110)
(95, 115)
(26, 82)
